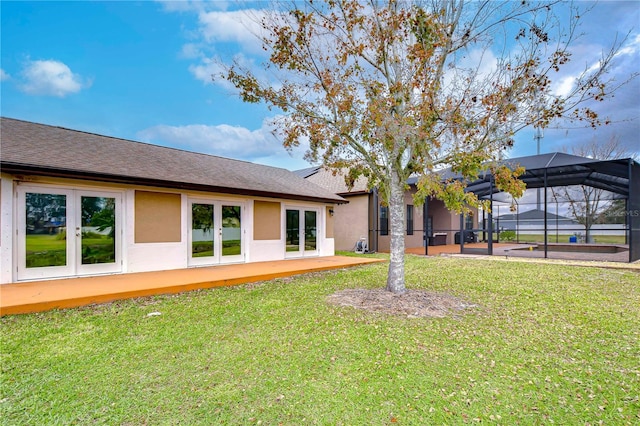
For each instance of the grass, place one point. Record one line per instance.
(45, 242)
(51, 249)
(45, 250)
(547, 343)
(205, 248)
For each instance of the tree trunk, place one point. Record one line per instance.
(395, 278)
(587, 230)
(589, 213)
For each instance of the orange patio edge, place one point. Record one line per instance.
(39, 296)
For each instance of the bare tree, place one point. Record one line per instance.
(586, 203)
(390, 89)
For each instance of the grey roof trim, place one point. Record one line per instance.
(349, 194)
(72, 174)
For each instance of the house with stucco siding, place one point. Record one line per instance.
(74, 203)
(365, 217)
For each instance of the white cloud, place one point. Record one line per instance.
(587, 59)
(218, 30)
(222, 140)
(564, 86)
(219, 36)
(209, 67)
(631, 47)
(206, 69)
(51, 78)
(482, 62)
(190, 51)
(240, 26)
(190, 5)
(3, 75)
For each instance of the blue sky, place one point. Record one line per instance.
(141, 71)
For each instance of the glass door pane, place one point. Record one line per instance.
(231, 231)
(310, 231)
(45, 230)
(66, 232)
(202, 230)
(293, 231)
(45, 237)
(216, 233)
(98, 230)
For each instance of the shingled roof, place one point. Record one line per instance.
(31, 148)
(333, 182)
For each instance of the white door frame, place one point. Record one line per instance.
(218, 231)
(302, 251)
(98, 268)
(73, 234)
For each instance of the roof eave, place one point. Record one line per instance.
(352, 193)
(14, 168)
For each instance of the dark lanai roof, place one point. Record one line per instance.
(309, 171)
(31, 148)
(559, 169)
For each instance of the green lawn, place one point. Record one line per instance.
(231, 248)
(45, 242)
(205, 248)
(546, 344)
(51, 250)
(46, 250)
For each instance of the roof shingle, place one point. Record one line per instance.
(44, 149)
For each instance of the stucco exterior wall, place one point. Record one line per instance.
(156, 247)
(444, 221)
(157, 217)
(350, 222)
(329, 212)
(266, 219)
(6, 228)
(417, 239)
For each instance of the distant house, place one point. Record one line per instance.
(364, 217)
(76, 204)
(531, 218)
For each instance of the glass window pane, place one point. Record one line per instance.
(98, 232)
(46, 233)
(202, 232)
(384, 220)
(468, 222)
(293, 230)
(231, 231)
(310, 230)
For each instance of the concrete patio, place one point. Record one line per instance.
(521, 252)
(451, 248)
(535, 251)
(38, 296)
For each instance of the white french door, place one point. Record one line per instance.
(65, 232)
(217, 232)
(301, 227)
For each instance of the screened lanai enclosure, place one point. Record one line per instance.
(574, 208)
